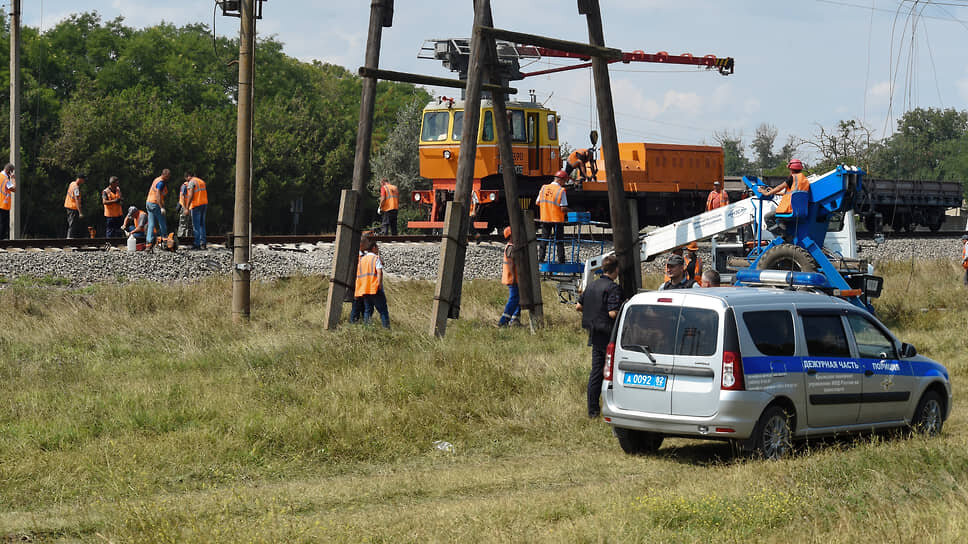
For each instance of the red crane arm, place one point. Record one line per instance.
(724, 65)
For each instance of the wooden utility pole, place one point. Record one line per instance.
(623, 241)
(241, 226)
(15, 90)
(347, 230)
(453, 249)
(529, 282)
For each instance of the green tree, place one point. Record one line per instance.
(736, 163)
(930, 143)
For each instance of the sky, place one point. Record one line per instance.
(800, 66)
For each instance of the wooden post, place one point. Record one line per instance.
(15, 91)
(636, 246)
(622, 239)
(346, 248)
(241, 240)
(528, 288)
(453, 246)
(531, 255)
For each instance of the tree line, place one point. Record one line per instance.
(104, 99)
(927, 144)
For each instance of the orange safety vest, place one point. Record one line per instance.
(113, 209)
(716, 199)
(200, 194)
(549, 203)
(139, 225)
(509, 271)
(73, 192)
(574, 160)
(156, 196)
(964, 256)
(5, 193)
(367, 282)
(694, 270)
(182, 193)
(391, 198)
(800, 183)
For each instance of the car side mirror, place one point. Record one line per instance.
(907, 350)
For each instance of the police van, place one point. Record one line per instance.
(762, 367)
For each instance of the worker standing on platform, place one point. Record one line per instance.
(389, 206)
(717, 197)
(111, 199)
(197, 198)
(693, 268)
(8, 186)
(72, 203)
(509, 277)
(577, 160)
(797, 181)
(155, 206)
(552, 206)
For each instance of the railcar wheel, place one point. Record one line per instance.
(787, 257)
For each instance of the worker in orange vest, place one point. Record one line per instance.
(111, 200)
(369, 282)
(8, 186)
(389, 206)
(577, 160)
(197, 199)
(693, 261)
(964, 257)
(509, 277)
(552, 206)
(155, 206)
(717, 197)
(135, 223)
(797, 181)
(72, 203)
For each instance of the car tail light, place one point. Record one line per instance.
(733, 371)
(609, 357)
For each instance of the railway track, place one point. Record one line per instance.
(92, 244)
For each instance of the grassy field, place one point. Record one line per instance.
(140, 413)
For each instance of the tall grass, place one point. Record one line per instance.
(141, 413)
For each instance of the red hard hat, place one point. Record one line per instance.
(561, 174)
(507, 232)
(795, 164)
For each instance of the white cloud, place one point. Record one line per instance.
(962, 85)
(879, 93)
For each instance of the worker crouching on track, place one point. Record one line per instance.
(577, 160)
(136, 224)
(552, 206)
(509, 277)
(155, 206)
(369, 282)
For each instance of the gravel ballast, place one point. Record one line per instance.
(401, 261)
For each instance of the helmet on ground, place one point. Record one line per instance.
(693, 247)
(561, 174)
(795, 164)
(507, 232)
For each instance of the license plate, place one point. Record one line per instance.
(647, 381)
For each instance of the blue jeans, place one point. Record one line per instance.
(356, 312)
(378, 301)
(155, 217)
(512, 310)
(198, 224)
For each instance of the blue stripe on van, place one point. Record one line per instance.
(837, 365)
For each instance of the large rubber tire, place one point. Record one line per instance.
(773, 436)
(638, 442)
(787, 257)
(929, 415)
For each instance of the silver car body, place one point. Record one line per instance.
(790, 352)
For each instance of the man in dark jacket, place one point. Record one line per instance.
(599, 306)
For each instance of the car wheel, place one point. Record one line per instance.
(773, 437)
(928, 417)
(637, 442)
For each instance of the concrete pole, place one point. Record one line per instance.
(15, 92)
(346, 248)
(453, 249)
(622, 239)
(241, 267)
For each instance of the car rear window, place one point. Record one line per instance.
(672, 330)
(825, 336)
(771, 331)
